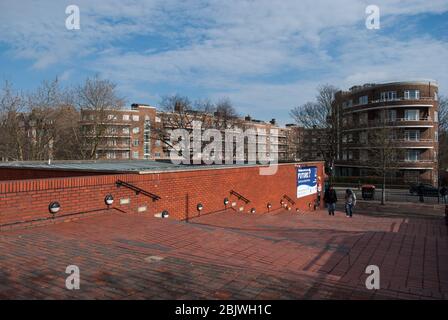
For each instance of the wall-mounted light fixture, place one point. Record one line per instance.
(269, 206)
(252, 210)
(226, 201)
(109, 200)
(165, 214)
(54, 207)
(200, 207)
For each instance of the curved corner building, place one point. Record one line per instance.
(409, 110)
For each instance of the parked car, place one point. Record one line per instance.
(427, 189)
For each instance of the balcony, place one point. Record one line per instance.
(398, 142)
(401, 163)
(398, 122)
(389, 101)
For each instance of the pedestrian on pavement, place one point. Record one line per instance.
(330, 199)
(444, 194)
(350, 202)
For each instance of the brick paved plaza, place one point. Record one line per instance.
(227, 256)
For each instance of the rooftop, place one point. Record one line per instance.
(116, 166)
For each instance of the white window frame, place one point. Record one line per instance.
(135, 117)
(363, 100)
(415, 96)
(388, 95)
(412, 135)
(125, 117)
(412, 155)
(407, 113)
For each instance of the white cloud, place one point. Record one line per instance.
(263, 54)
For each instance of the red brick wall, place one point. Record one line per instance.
(25, 200)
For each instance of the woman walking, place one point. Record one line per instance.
(330, 199)
(350, 202)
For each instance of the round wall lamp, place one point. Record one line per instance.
(54, 207)
(226, 201)
(252, 210)
(269, 205)
(165, 214)
(200, 207)
(109, 200)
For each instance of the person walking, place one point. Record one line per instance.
(444, 194)
(350, 202)
(330, 199)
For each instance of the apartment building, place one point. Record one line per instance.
(408, 111)
(141, 133)
(122, 134)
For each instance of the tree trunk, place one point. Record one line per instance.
(383, 191)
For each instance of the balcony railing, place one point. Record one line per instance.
(389, 100)
(387, 122)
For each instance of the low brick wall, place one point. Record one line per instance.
(180, 192)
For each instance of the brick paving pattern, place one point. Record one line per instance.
(227, 255)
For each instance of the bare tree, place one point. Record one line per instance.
(443, 136)
(321, 116)
(180, 113)
(12, 138)
(96, 96)
(383, 154)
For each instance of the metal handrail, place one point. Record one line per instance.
(239, 196)
(137, 190)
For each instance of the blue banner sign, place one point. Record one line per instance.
(306, 181)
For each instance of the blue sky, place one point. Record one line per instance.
(266, 56)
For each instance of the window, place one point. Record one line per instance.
(158, 143)
(136, 130)
(135, 155)
(112, 117)
(363, 100)
(136, 142)
(412, 135)
(436, 96)
(158, 119)
(126, 130)
(157, 154)
(412, 94)
(363, 155)
(135, 118)
(347, 104)
(363, 137)
(350, 138)
(110, 155)
(388, 95)
(391, 115)
(363, 118)
(412, 155)
(436, 136)
(350, 155)
(344, 138)
(125, 155)
(125, 117)
(411, 115)
(436, 116)
(344, 155)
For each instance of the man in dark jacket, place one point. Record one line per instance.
(330, 199)
(444, 194)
